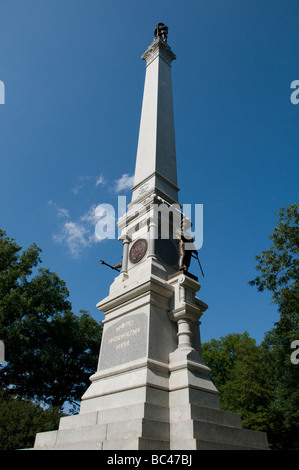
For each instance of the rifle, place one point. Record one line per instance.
(109, 265)
(194, 254)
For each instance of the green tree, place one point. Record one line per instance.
(50, 352)
(220, 356)
(279, 273)
(237, 372)
(282, 380)
(279, 266)
(245, 390)
(20, 420)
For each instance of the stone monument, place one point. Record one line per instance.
(151, 390)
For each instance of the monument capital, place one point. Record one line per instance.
(158, 48)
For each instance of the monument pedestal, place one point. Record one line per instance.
(142, 397)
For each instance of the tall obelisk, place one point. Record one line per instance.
(156, 157)
(151, 389)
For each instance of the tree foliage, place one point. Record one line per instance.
(237, 372)
(21, 420)
(279, 274)
(50, 352)
(279, 266)
(260, 382)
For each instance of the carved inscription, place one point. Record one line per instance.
(124, 341)
(125, 330)
(143, 189)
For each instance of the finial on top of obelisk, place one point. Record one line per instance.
(161, 31)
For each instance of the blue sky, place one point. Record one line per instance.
(69, 128)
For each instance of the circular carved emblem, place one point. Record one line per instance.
(138, 250)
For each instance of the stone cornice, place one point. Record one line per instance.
(134, 292)
(158, 48)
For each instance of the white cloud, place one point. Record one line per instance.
(85, 180)
(75, 190)
(82, 180)
(75, 236)
(102, 219)
(90, 216)
(97, 224)
(61, 212)
(124, 182)
(100, 180)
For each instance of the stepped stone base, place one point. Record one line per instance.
(149, 426)
(140, 426)
(158, 400)
(203, 433)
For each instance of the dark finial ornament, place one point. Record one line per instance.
(161, 31)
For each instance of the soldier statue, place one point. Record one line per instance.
(185, 255)
(161, 31)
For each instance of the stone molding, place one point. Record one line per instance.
(158, 48)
